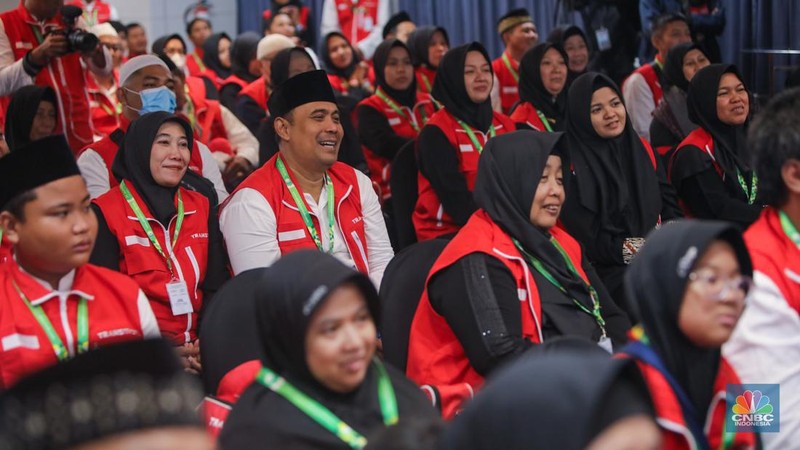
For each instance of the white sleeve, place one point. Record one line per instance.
(240, 137)
(94, 172)
(379, 247)
(12, 74)
(495, 95)
(147, 319)
(114, 13)
(375, 37)
(639, 103)
(330, 20)
(765, 348)
(250, 230)
(211, 171)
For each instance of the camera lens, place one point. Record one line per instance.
(82, 41)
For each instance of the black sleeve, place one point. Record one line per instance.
(217, 265)
(212, 93)
(670, 209)
(601, 247)
(249, 112)
(706, 198)
(106, 248)
(227, 95)
(375, 133)
(267, 141)
(438, 162)
(617, 323)
(478, 297)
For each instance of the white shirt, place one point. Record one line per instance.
(251, 231)
(639, 103)
(95, 172)
(241, 139)
(330, 23)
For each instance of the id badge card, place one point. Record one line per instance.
(605, 344)
(603, 39)
(179, 298)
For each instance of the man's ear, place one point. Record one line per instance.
(10, 226)
(790, 173)
(281, 126)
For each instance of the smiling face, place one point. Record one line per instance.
(733, 103)
(399, 73)
(282, 24)
(311, 134)
(340, 52)
(607, 113)
(553, 70)
(549, 196)
(170, 155)
(477, 77)
(577, 52)
(341, 340)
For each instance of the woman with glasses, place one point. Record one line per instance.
(689, 283)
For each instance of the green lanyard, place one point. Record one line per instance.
(544, 121)
(199, 62)
(55, 340)
(190, 111)
(595, 312)
(323, 415)
(472, 137)
(510, 69)
(426, 82)
(789, 228)
(301, 206)
(753, 191)
(38, 33)
(146, 225)
(391, 104)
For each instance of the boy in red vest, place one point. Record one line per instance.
(642, 90)
(765, 346)
(53, 305)
(519, 34)
(302, 197)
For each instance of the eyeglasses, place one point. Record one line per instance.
(718, 288)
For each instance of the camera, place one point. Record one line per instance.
(77, 39)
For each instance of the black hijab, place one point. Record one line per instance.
(21, 111)
(243, 51)
(325, 56)
(158, 45)
(615, 177)
(730, 148)
(420, 40)
(211, 55)
(559, 37)
(509, 171)
(531, 403)
(276, 7)
(406, 97)
(656, 282)
(132, 162)
(449, 88)
(279, 67)
(673, 67)
(532, 90)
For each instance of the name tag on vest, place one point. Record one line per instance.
(17, 340)
(24, 45)
(466, 148)
(394, 121)
(293, 235)
(510, 89)
(136, 240)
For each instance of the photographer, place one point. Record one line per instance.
(39, 44)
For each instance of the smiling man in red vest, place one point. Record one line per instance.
(519, 34)
(53, 305)
(303, 198)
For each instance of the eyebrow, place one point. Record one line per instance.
(323, 111)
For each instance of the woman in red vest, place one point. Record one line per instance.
(394, 115)
(542, 97)
(450, 144)
(618, 190)
(245, 68)
(163, 235)
(217, 58)
(689, 284)
(511, 278)
(710, 169)
(346, 72)
(428, 45)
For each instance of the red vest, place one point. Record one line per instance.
(774, 254)
(231, 386)
(63, 74)
(196, 66)
(436, 359)
(527, 114)
(379, 167)
(106, 110)
(675, 432)
(649, 72)
(425, 79)
(257, 90)
(139, 259)
(701, 139)
(208, 113)
(509, 86)
(113, 317)
(303, 22)
(357, 18)
(430, 220)
(338, 84)
(6, 250)
(107, 149)
(349, 213)
(233, 79)
(101, 12)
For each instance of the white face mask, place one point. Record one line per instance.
(179, 60)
